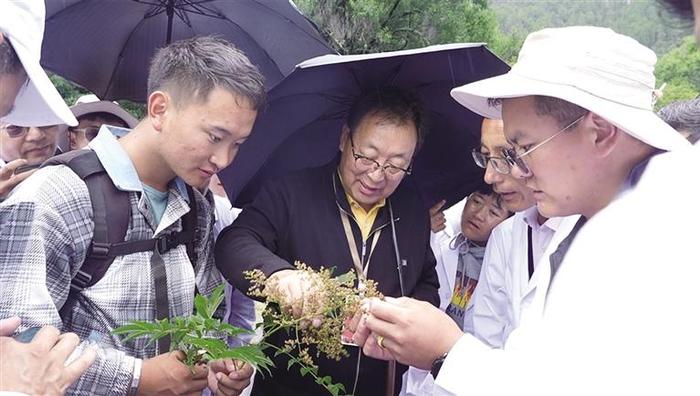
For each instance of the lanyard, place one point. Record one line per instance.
(361, 272)
(530, 256)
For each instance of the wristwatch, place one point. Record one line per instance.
(437, 365)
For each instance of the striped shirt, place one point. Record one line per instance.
(46, 228)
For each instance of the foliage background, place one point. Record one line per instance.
(364, 26)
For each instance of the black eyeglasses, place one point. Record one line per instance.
(500, 164)
(367, 164)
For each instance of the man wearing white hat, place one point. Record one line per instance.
(578, 110)
(27, 96)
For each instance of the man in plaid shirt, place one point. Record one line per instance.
(202, 103)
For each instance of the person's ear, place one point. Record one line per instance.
(605, 135)
(344, 136)
(158, 105)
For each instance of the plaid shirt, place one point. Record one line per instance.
(45, 230)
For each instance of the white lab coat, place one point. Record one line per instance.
(621, 316)
(417, 382)
(505, 287)
(446, 258)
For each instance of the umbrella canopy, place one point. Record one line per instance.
(106, 45)
(302, 124)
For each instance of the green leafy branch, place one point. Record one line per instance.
(201, 337)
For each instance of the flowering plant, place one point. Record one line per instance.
(201, 336)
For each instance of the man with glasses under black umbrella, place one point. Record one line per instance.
(342, 215)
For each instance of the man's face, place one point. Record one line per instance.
(515, 195)
(480, 215)
(200, 139)
(81, 135)
(35, 144)
(562, 169)
(10, 85)
(384, 142)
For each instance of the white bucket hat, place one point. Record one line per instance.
(38, 103)
(604, 72)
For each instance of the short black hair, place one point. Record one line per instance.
(9, 61)
(392, 104)
(190, 69)
(107, 118)
(486, 189)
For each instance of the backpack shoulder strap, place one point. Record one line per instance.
(111, 210)
(189, 227)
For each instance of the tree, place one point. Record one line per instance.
(70, 92)
(365, 26)
(680, 70)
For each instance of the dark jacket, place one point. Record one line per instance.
(298, 218)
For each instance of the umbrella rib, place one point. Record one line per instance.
(198, 7)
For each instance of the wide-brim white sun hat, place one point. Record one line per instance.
(38, 102)
(604, 72)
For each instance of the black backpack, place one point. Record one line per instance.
(111, 209)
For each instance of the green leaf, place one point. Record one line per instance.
(210, 344)
(201, 305)
(232, 331)
(215, 299)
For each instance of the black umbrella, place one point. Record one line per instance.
(302, 124)
(106, 45)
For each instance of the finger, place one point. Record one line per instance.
(179, 355)
(9, 168)
(195, 387)
(382, 327)
(399, 301)
(436, 208)
(200, 371)
(243, 371)
(362, 332)
(73, 371)
(229, 385)
(388, 311)
(17, 178)
(65, 346)
(230, 366)
(218, 365)
(9, 325)
(372, 349)
(46, 338)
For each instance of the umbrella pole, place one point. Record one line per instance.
(170, 11)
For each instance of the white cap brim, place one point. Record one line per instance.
(38, 102)
(642, 124)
